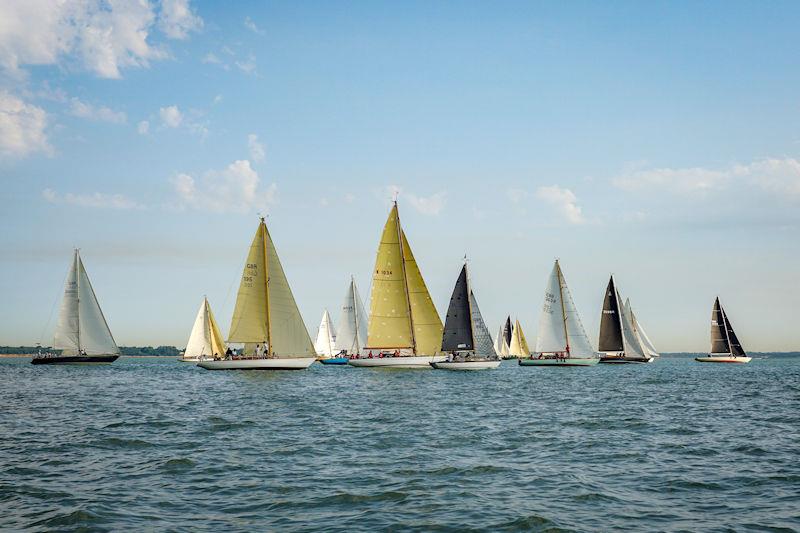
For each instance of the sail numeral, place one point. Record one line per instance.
(609, 312)
(384, 272)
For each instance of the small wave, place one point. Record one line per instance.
(529, 523)
(348, 497)
(177, 465)
(78, 517)
(116, 442)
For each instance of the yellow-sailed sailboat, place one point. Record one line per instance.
(205, 340)
(266, 318)
(404, 329)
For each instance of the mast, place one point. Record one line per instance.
(78, 295)
(355, 310)
(469, 306)
(563, 309)
(405, 278)
(266, 285)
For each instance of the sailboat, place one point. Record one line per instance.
(266, 318)
(205, 340)
(518, 347)
(641, 335)
(465, 336)
(618, 341)
(561, 341)
(404, 329)
(725, 345)
(82, 333)
(504, 339)
(352, 333)
(325, 344)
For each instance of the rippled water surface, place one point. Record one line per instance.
(158, 444)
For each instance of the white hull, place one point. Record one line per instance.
(723, 359)
(189, 359)
(568, 361)
(413, 361)
(289, 363)
(466, 365)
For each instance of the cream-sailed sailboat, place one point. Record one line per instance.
(404, 329)
(518, 347)
(352, 333)
(561, 341)
(325, 345)
(266, 318)
(82, 333)
(205, 340)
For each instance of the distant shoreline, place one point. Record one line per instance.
(12, 355)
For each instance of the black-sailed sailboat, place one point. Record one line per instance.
(725, 345)
(465, 338)
(619, 342)
(82, 333)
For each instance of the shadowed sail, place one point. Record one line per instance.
(266, 312)
(205, 338)
(81, 325)
(402, 314)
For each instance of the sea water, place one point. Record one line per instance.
(158, 444)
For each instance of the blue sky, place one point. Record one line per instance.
(657, 141)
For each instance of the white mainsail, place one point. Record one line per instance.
(205, 338)
(352, 333)
(560, 326)
(326, 339)
(81, 324)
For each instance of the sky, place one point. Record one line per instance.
(658, 141)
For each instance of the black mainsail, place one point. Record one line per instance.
(458, 335)
(723, 338)
(610, 322)
(508, 331)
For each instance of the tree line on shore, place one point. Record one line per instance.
(170, 351)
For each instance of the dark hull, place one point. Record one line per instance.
(74, 360)
(623, 360)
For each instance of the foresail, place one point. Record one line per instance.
(389, 319)
(249, 321)
(457, 333)
(736, 347)
(579, 343)
(518, 346)
(483, 339)
(641, 336)
(326, 342)
(67, 335)
(551, 335)
(719, 336)
(610, 321)
(424, 317)
(633, 347)
(217, 342)
(95, 337)
(288, 334)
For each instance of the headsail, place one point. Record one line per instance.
(646, 345)
(633, 347)
(611, 321)
(352, 333)
(458, 334)
(326, 340)
(719, 333)
(578, 341)
(205, 338)
(736, 347)
(81, 324)
(483, 339)
(424, 317)
(518, 346)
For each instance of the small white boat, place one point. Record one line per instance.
(725, 345)
(404, 329)
(205, 340)
(326, 338)
(484, 364)
(257, 363)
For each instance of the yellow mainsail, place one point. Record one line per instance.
(266, 311)
(402, 314)
(518, 346)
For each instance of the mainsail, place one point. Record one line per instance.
(402, 314)
(507, 331)
(352, 333)
(518, 346)
(458, 334)
(205, 338)
(81, 324)
(326, 339)
(265, 311)
(500, 345)
(560, 327)
(611, 339)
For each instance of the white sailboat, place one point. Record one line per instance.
(325, 345)
(205, 340)
(466, 338)
(352, 333)
(266, 318)
(404, 329)
(82, 333)
(561, 341)
(619, 341)
(725, 345)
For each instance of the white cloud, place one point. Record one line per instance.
(776, 175)
(255, 147)
(349, 198)
(250, 25)
(101, 36)
(427, 205)
(88, 111)
(171, 116)
(235, 189)
(249, 66)
(211, 58)
(143, 127)
(95, 200)
(564, 200)
(517, 196)
(176, 19)
(217, 99)
(22, 127)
